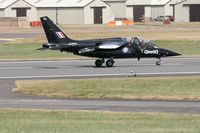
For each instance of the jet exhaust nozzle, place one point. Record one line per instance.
(45, 45)
(51, 46)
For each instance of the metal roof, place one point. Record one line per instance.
(78, 3)
(114, 0)
(186, 2)
(6, 3)
(48, 3)
(147, 2)
(159, 2)
(138, 2)
(59, 3)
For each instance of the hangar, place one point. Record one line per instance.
(118, 8)
(17, 8)
(147, 10)
(101, 11)
(186, 10)
(61, 11)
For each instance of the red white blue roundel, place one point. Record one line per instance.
(125, 50)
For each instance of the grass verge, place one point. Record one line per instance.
(40, 121)
(186, 48)
(29, 52)
(162, 88)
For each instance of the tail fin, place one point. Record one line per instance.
(53, 33)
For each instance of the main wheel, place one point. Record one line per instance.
(109, 63)
(98, 63)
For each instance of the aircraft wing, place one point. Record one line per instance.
(110, 45)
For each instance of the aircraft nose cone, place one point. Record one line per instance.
(171, 53)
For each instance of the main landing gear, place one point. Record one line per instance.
(159, 62)
(109, 63)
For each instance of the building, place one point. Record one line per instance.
(101, 11)
(186, 10)
(60, 11)
(17, 8)
(148, 10)
(118, 8)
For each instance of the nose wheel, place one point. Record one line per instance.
(159, 62)
(109, 63)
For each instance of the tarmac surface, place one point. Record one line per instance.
(11, 71)
(86, 68)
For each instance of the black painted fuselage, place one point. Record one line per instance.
(106, 48)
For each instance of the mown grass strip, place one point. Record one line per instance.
(29, 52)
(165, 88)
(34, 121)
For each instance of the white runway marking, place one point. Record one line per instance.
(15, 68)
(6, 39)
(101, 75)
(171, 64)
(61, 76)
(46, 61)
(22, 62)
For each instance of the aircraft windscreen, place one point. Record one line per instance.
(142, 42)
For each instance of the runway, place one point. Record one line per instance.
(86, 68)
(11, 71)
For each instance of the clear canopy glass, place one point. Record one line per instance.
(142, 42)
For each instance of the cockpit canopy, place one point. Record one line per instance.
(142, 43)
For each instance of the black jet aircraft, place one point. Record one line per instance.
(105, 49)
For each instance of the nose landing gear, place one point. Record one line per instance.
(159, 62)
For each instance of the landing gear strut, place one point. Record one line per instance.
(109, 63)
(159, 62)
